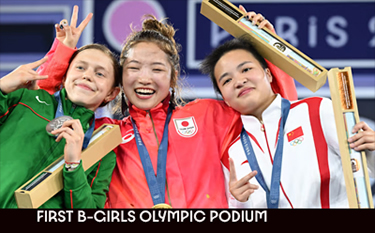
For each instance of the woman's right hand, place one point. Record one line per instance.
(69, 35)
(241, 189)
(73, 133)
(23, 76)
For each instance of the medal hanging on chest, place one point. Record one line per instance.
(157, 183)
(162, 206)
(272, 193)
(60, 118)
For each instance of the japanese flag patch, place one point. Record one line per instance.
(186, 127)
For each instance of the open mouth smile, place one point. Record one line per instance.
(143, 91)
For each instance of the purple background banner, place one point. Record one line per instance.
(333, 33)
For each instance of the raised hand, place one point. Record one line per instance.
(364, 139)
(240, 189)
(69, 35)
(22, 77)
(257, 18)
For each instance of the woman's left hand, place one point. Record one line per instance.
(70, 34)
(364, 139)
(254, 17)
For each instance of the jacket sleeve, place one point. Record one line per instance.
(370, 157)
(7, 102)
(327, 118)
(88, 190)
(55, 67)
(282, 83)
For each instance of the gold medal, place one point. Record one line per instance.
(162, 206)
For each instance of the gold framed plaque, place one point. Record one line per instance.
(354, 163)
(48, 182)
(276, 50)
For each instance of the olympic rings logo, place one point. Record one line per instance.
(296, 141)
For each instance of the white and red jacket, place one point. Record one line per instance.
(311, 172)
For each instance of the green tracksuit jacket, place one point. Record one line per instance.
(26, 149)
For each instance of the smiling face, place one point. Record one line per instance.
(90, 79)
(244, 84)
(146, 75)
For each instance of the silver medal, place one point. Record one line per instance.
(56, 124)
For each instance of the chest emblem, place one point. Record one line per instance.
(129, 135)
(186, 127)
(295, 137)
(40, 101)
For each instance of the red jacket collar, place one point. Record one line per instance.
(135, 112)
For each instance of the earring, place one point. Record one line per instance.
(173, 101)
(124, 105)
(172, 94)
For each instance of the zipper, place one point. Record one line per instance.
(153, 127)
(263, 129)
(72, 109)
(261, 126)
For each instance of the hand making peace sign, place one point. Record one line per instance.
(240, 189)
(69, 35)
(23, 76)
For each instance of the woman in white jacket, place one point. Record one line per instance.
(291, 148)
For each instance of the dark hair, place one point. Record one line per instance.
(162, 34)
(208, 64)
(116, 65)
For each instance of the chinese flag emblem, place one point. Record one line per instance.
(296, 133)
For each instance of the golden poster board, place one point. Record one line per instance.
(269, 45)
(48, 182)
(346, 116)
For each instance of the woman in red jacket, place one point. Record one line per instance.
(170, 154)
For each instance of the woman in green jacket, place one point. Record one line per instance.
(26, 148)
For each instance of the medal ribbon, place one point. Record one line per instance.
(272, 194)
(156, 184)
(60, 112)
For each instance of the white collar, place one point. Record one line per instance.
(270, 116)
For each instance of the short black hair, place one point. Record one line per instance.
(208, 64)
